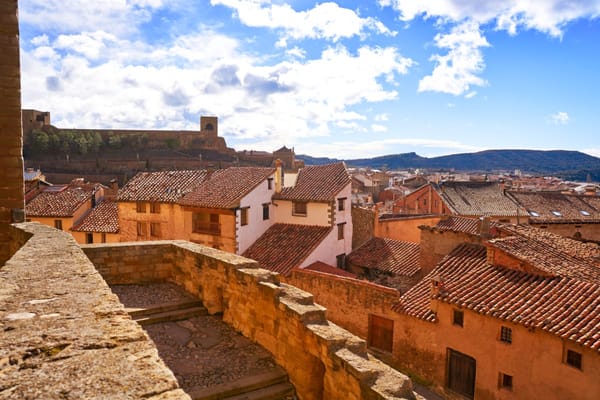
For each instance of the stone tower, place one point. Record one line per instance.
(209, 126)
(11, 141)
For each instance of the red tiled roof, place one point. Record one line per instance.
(477, 199)
(164, 186)
(285, 246)
(61, 200)
(416, 301)
(317, 183)
(395, 256)
(328, 269)
(103, 218)
(546, 259)
(588, 252)
(555, 206)
(471, 226)
(566, 307)
(226, 188)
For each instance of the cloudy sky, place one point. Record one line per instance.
(343, 79)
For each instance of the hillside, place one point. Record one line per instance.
(567, 164)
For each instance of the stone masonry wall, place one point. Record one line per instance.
(363, 221)
(64, 333)
(349, 301)
(323, 360)
(11, 145)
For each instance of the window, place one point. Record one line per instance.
(381, 333)
(340, 228)
(458, 317)
(89, 238)
(155, 208)
(155, 229)
(299, 208)
(140, 207)
(505, 381)
(341, 261)
(206, 223)
(265, 211)
(244, 216)
(505, 334)
(58, 224)
(270, 183)
(103, 238)
(141, 229)
(341, 204)
(573, 359)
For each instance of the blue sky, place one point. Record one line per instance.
(346, 79)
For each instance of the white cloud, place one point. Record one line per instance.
(381, 117)
(379, 128)
(84, 15)
(456, 72)
(560, 118)
(325, 21)
(40, 40)
(548, 16)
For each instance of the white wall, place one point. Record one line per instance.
(248, 234)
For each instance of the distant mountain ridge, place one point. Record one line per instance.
(572, 165)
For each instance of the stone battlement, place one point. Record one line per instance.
(323, 360)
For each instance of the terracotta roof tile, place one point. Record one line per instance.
(566, 307)
(164, 186)
(395, 256)
(103, 218)
(317, 183)
(470, 226)
(226, 188)
(328, 269)
(61, 200)
(557, 207)
(285, 246)
(588, 252)
(416, 301)
(477, 199)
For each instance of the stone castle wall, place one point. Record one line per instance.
(64, 333)
(323, 360)
(11, 154)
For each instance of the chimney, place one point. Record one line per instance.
(484, 227)
(436, 288)
(278, 176)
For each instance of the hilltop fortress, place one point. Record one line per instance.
(107, 154)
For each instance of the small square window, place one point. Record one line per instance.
(341, 204)
(574, 359)
(341, 261)
(58, 224)
(270, 183)
(89, 238)
(506, 381)
(505, 334)
(155, 208)
(140, 207)
(155, 229)
(244, 216)
(340, 228)
(141, 229)
(103, 237)
(299, 208)
(265, 211)
(458, 317)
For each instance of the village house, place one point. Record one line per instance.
(148, 208)
(576, 216)
(231, 209)
(467, 199)
(99, 225)
(62, 206)
(313, 222)
(387, 262)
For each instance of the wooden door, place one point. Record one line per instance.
(461, 373)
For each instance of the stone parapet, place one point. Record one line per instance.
(64, 333)
(323, 360)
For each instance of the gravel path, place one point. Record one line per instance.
(201, 351)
